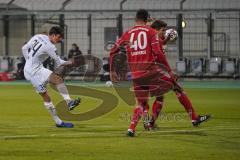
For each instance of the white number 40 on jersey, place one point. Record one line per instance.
(140, 42)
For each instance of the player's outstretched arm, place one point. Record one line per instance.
(59, 62)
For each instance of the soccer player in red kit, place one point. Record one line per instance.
(142, 46)
(160, 27)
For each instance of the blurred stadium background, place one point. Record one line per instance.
(208, 45)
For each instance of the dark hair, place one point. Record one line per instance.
(56, 30)
(142, 15)
(158, 24)
(74, 44)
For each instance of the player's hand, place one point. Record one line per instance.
(71, 62)
(68, 63)
(114, 77)
(75, 61)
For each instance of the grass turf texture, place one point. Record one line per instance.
(28, 132)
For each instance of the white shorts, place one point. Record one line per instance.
(39, 79)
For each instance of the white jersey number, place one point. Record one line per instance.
(36, 46)
(141, 42)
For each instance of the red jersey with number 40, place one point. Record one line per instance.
(143, 49)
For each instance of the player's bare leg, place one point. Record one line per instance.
(63, 91)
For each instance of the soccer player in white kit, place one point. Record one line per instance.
(36, 51)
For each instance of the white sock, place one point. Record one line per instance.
(52, 110)
(62, 89)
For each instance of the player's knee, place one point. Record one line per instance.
(59, 80)
(56, 79)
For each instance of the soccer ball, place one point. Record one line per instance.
(109, 84)
(173, 34)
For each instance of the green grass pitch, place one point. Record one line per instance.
(28, 132)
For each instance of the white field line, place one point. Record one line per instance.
(47, 126)
(195, 130)
(18, 136)
(106, 134)
(78, 126)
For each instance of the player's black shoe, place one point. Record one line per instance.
(201, 119)
(147, 122)
(130, 133)
(150, 126)
(73, 103)
(147, 126)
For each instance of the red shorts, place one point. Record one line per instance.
(156, 82)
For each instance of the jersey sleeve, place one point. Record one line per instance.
(158, 53)
(52, 52)
(26, 48)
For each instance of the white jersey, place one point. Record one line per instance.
(37, 50)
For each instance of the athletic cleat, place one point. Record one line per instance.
(150, 126)
(65, 125)
(146, 122)
(130, 133)
(73, 103)
(147, 126)
(200, 120)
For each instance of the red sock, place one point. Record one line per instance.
(137, 113)
(156, 108)
(183, 99)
